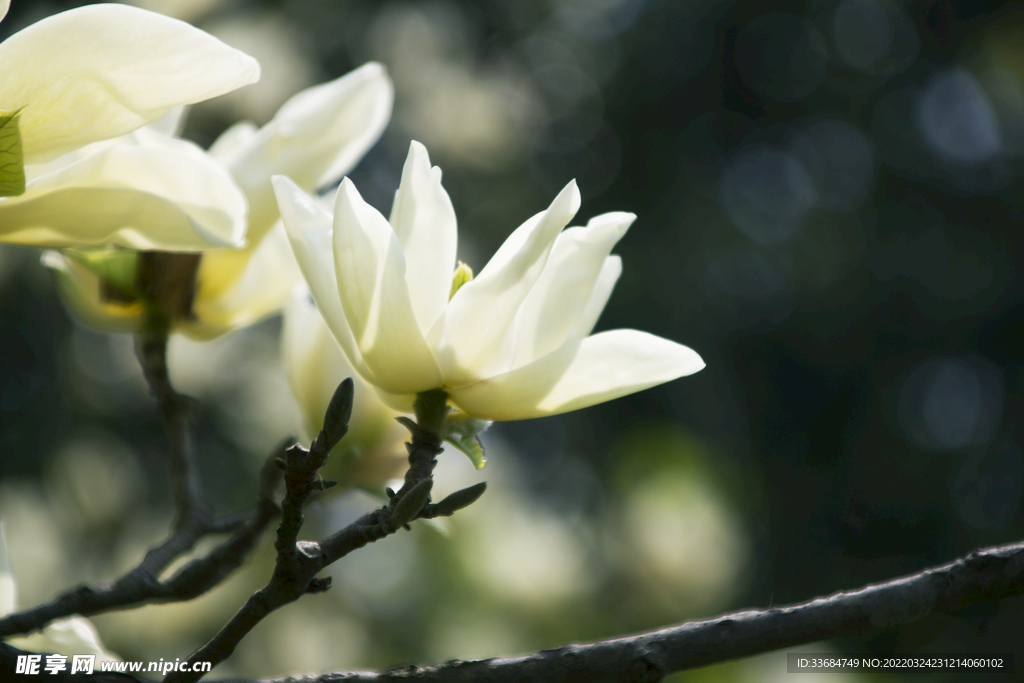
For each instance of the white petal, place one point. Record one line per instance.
(316, 137)
(231, 140)
(610, 272)
(580, 374)
(371, 282)
(309, 231)
(314, 365)
(172, 123)
(424, 222)
(170, 197)
(100, 71)
(263, 288)
(4, 6)
(470, 335)
(554, 306)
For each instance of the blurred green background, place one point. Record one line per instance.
(829, 197)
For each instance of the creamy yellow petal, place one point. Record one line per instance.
(140, 197)
(263, 289)
(315, 138)
(610, 272)
(554, 306)
(580, 374)
(469, 337)
(370, 268)
(309, 231)
(424, 222)
(100, 71)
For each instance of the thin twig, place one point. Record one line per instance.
(298, 562)
(151, 348)
(141, 585)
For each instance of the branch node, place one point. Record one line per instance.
(647, 668)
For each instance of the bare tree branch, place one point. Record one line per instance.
(982, 576)
(151, 348)
(298, 562)
(141, 585)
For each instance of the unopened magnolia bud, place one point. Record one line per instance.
(460, 499)
(411, 503)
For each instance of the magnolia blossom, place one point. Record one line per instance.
(510, 344)
(317, 136)
(95, 73)
(371, 452)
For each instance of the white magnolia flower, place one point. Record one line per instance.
(101, 71)
(512, 343)
(371, 452)
(317, 136)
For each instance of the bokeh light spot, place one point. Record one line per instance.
(950, 403)
(766, 195)
(956, 118)
(838, 159)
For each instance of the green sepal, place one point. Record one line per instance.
(12, 156)
(117, 267)
(463, 433)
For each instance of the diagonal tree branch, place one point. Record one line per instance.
(142, 585)
(983, 575)
(298, 562)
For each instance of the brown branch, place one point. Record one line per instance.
(983, 575)
(151, 348)
(141, 585)
(298, 562)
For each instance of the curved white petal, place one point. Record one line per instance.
(610, 272)
(314, 365)
(262, 290)
(424, 222)
(469, 336)
(235, 138)
(100, 71)
(593, 370)
(308, 227)
(402, 403)
(557, 301)
(370, 268)
(4, 6)
(168, 197)
(317, 136)
(171, 123)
